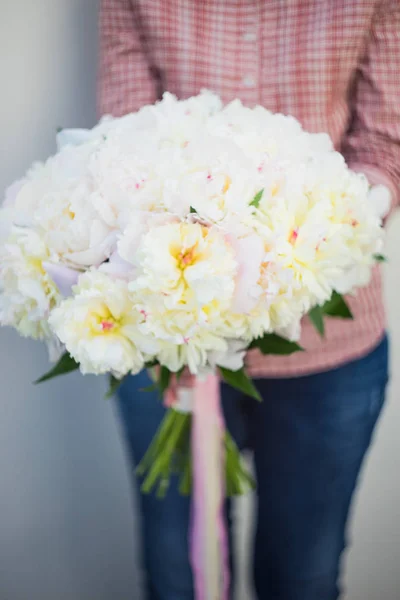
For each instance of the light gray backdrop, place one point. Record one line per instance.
(66, 524)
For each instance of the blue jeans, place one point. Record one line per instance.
(309, 437)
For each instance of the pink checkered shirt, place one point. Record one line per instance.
(334, 65)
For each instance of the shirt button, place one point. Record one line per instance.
(249, 36)
(249, 82)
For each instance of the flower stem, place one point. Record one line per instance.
(158, 461)
(170, 453)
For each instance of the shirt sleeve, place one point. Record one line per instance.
(124, 81)
(372, 144)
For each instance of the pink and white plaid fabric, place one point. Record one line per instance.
(335, 66)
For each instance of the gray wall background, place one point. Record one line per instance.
(67, 529)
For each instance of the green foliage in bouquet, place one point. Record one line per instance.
(169, 453)
(335, 307)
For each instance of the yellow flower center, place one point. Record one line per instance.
(227, 184)
(103, 322)
(50, 289)
(293, 235)
(69, 213)
(107, 325)
(263, 279)
(186, 258)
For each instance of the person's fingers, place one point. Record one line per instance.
(186, 380)
(170, 396)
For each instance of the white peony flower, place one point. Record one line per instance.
(232, 358)
(185, 279)
(27, 293)
(99, 327)
(56, 201)
(197, 225)
(76, 137)
(186, 265)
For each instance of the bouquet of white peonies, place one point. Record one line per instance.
(181, 236)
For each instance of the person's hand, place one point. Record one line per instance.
(186, 380)
(177, 388)
(179, 391)
(381, 199)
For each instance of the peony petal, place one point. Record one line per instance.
(12, 192)
(64, 277)
(232, 358)
(6, 222)
(249, 255)
(72, 137)
(116, 267)
(95, 255)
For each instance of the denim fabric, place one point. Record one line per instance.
(309, 437)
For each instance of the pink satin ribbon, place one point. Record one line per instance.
(209, 542)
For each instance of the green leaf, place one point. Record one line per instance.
(150, 364)
(113, 386)
(337, 307)
(179, 373)
(257, 198)
(380, 258)
(316, 316)
(59, 129)
(275, 344)
(164, 379)
(193, 210)
(66, 364)
(240, 381)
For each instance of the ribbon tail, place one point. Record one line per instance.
(209, 543)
